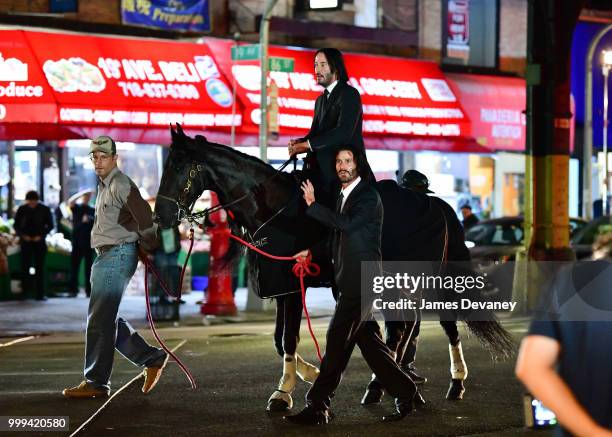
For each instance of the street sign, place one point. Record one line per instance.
(281, 64)
(245, 53)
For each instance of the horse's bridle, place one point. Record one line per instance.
(180, 203)
(184, 210)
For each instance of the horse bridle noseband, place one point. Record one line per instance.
(180, 203)
(185, 211)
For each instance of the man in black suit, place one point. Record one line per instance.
(337, 121)
(356, 234)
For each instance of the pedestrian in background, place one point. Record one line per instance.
(469, 218)
(33, 222)
(82, 223)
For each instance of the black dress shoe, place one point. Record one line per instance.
(403, 407)
(372, 396)
(416, 378)
(310, 416)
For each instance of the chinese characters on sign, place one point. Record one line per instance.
(458, 29)
(183, 15)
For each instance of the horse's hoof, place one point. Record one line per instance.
(277, 406)
(280, 401)
(455, 390)
(372, 396)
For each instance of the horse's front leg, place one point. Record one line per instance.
(286, 339)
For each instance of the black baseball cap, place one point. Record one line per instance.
(415, 180)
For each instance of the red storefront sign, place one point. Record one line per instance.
(113, 81)
(25, 96)
(495, 106)
(401, 98)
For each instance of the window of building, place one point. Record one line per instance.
(470, 32)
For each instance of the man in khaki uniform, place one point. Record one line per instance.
(123, 227)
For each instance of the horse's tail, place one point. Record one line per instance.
(493, 336)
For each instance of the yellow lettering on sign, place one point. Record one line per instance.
(128, 5)
(143, 6)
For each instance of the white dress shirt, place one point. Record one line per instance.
(329, 89)
(347, 191)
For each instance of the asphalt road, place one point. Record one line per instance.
(236, 369)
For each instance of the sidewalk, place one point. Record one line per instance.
(66, 314)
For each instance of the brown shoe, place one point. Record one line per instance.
(84, 391)
(152, 375)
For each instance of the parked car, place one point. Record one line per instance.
(582, 240)
(499, 239)
(493, 242)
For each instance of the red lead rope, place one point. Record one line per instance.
(149, 267)
(301, 268)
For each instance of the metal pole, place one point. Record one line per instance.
(604, 187)
(587, 192)
(264, 30)
(254, 303)
(233, 131)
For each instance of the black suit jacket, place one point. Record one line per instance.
(360, 227)
(337, 122)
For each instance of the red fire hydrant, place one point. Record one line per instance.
(219, 299)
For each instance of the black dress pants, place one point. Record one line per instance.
(33, 255)
(78, 253)
(347, 328)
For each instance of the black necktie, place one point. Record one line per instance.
(326, 93)
(339, 203)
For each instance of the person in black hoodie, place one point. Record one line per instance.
(33, 222)
(82, 223)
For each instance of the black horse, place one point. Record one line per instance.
(268, 211)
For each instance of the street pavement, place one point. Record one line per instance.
(236, 369)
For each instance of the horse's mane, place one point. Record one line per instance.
(236, 154)
(264, 171)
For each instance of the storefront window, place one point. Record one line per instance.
(81, 174)
(5, 178)
(141, 162)
(26, 173)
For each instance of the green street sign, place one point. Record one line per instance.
(281, 64)
(245, 53)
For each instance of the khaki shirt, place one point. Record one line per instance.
(122, 215)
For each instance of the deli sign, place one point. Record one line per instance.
(399, 96)
(123, 81)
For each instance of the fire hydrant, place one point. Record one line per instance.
(219, 298)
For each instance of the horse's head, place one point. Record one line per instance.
(182, 180)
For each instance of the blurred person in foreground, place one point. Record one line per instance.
(565, 359)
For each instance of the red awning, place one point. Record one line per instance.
(407, 104)
(495, 106)
(87, 81)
